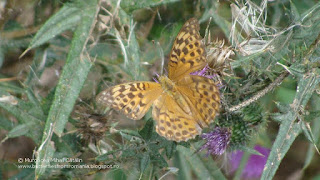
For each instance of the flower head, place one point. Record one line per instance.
(255, 164)
(217, 141)
(203, 72)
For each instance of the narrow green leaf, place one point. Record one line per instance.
(107, 156)
(144, 162)
(130, 135)
(66, 18)
(247, 151)
(307, 132)
(316, 131)
(70, 83)
(44, 153)
(5, 123)
(250, 150)
(294, 11)
(245, 60)
(130, 50)
(146, 132)
(74, 73)
(24, 174)
(22, 112)
(202, 170)
(20, 130)
(130, 5)
(185, 171)
(220, 21)
(287, 134)
(289, 130)
(10, 86)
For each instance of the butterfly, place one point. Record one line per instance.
(183, 104)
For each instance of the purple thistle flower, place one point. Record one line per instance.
(217, 141)
(203, 72)
(255, 164)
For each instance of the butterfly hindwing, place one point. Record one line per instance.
(172, 122)
(203, 97)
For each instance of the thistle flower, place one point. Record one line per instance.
(92, 126)
(219, 57)
(203, 72)
(254, 36)
(255, 164)
(217, 141)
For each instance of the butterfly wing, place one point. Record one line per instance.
(187, 53)
(173, 122)
(202, 96)
(132, 99)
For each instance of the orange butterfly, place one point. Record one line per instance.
(183, 104)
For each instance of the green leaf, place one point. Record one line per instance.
(106, 156)
(44, 153)
(5, 123)
(130, 5)
(170, 149)
(289, 130)
(144, 162)
(316, 131)
(130, 50)
(146, 132)
(73, 75)
(245, 60)
(185, 171)
(20, 130)
(294, 11)
(10, 86)
(116, 174)
(307, 132)
(130, 135)
(212, 12)
(201, 169)
(25, 115)
(70, 83)
(249, 150)
(66, 18)
(24, 174)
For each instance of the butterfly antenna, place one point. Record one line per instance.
(165, 71)
(156, 79)
(161, 56)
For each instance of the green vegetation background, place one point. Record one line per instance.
(74, 49)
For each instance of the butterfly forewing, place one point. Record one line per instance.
(187, 53)
(132, 99)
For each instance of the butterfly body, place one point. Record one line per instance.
(167, 85)
(183, 104)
